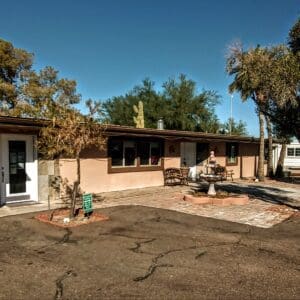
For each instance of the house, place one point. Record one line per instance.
(18, 160)
(133, 158)
(292, 155)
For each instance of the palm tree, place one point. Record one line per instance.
(252, 80)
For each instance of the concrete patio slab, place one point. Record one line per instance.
(269, 191)
(257, 212)
(269, 204)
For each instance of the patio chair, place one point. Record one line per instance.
(185, 175)
(223, 172)
(174, 176)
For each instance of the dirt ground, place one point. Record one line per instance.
(148, 253)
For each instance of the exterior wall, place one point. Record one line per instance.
(246, 162)
(249, 159)
(172, 155)
(220, 152)
(95, 177)
(48, 181)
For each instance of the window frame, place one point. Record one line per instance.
(228, 144)
(294, 152)
(137, 167)
(151, 144)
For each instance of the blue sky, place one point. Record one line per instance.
(110, 46)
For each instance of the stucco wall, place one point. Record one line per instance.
(172, 155)
(220, 152)
(249, 157)
(95, 177)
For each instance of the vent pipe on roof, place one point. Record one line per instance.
(160, 124)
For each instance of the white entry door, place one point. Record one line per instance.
(188, 157)
(19, 174)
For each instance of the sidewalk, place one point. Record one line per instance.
(22, 208)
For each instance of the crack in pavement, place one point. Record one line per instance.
(136, 249)
(260, 249)
(66, 237)
(277, 255)
(59, 284)
(157, 219)
(267, 251)
(137, 246)
(200, 254)
(154, 265)
(150, 271)
(124, 235)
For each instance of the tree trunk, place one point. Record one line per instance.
(75, 189)
(261, 158)
(270, 171)
(279, 169)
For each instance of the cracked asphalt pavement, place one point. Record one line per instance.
(148, 253)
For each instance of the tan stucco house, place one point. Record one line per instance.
(133, 158)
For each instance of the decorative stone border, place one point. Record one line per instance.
(231, 200)
(44, 217)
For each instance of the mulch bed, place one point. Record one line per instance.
(58, 218)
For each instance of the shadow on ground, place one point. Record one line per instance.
(264, 193)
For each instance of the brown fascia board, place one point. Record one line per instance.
(6, 120)
(118, 130)
(20, 125)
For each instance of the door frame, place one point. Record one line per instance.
(188, 156)
(31, 167)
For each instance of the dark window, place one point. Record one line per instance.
(231, 153)
(201, 153)
(149, 153)
(122, 153)
(290, 152)
(129, 153)
(293, 152)
(155, 153)
(17, 163)
(116, 153)
(144, 153)
(134, 153)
